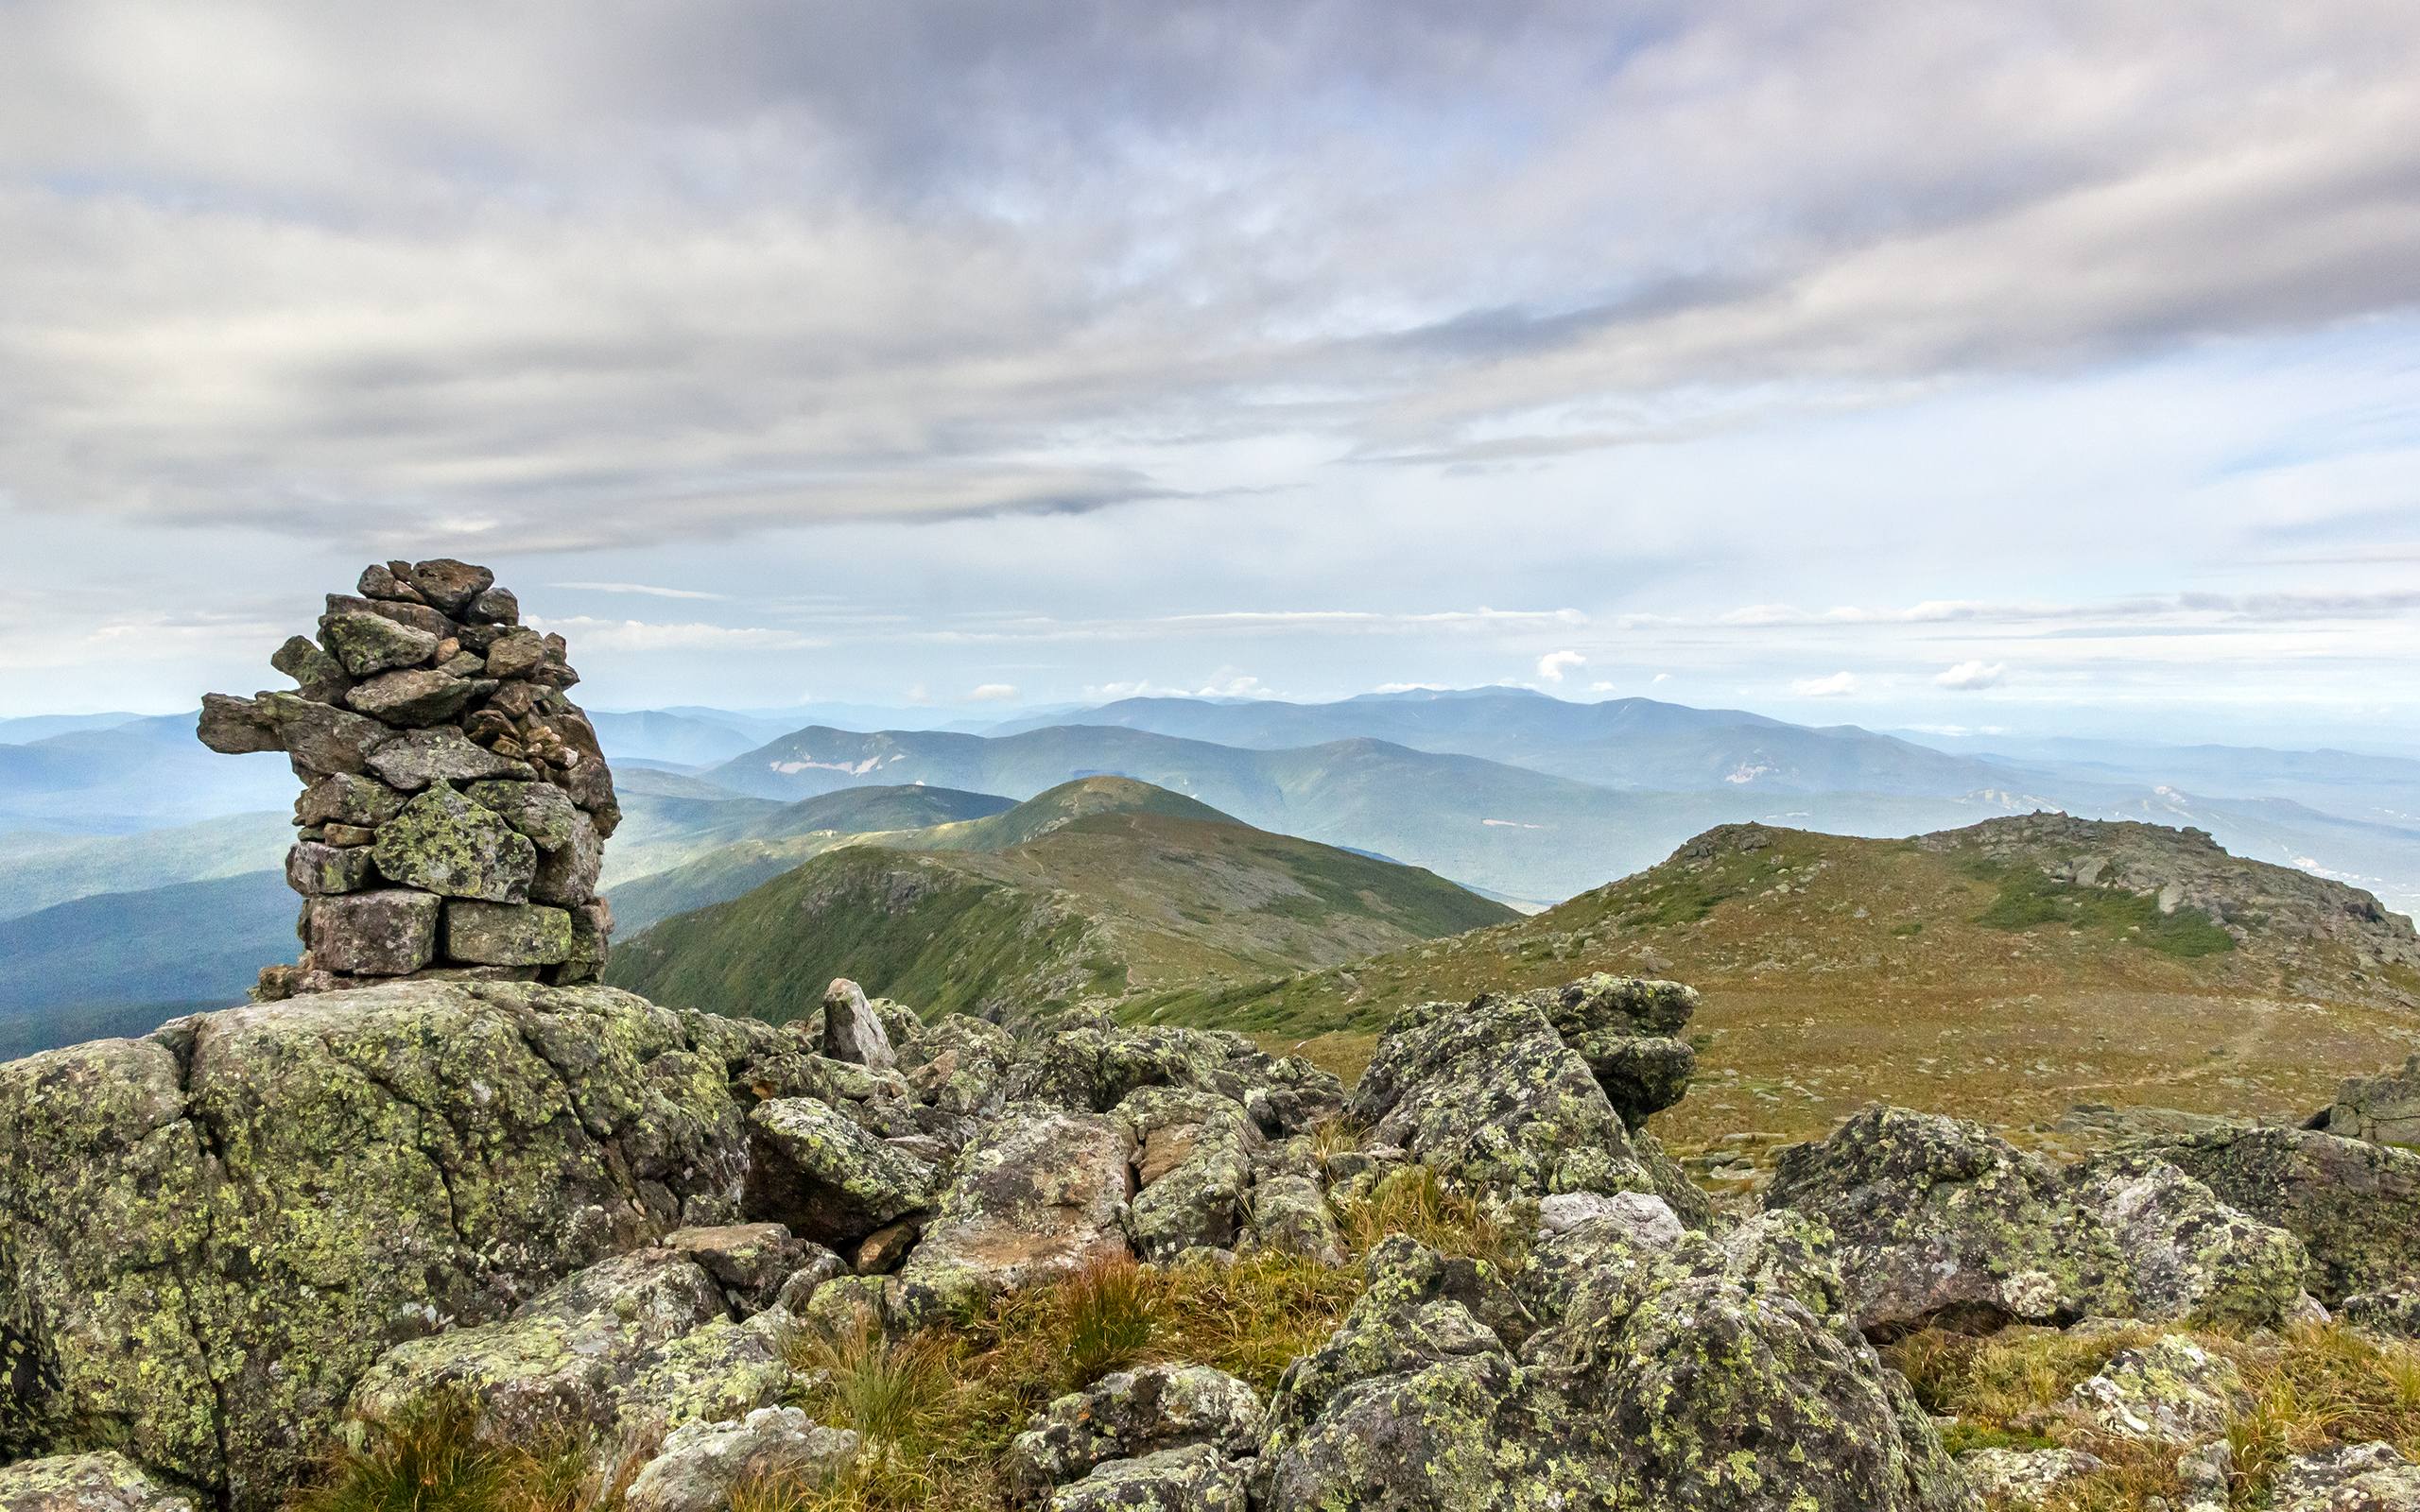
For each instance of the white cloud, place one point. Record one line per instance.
(1552, 666)
(1601, 687)
(586, 633)
(650, 590)
(1412, 687)
(1661, 676)
(992, 693)
(1969, 675)
(1839, 686)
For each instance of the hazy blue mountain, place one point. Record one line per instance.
(1516, 833)
(40, 870)
(684, 739)
(41, 726)
(1622, 743)
(138, 775)
(174, 946)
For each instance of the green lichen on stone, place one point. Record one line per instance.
(443, 843)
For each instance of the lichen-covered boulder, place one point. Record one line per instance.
(2383, 1109)
(1129, 1414)
(2355, 1478)
(2187, 1255)
(2394, 1312)
(1626, 1029)
(1193, 1168)
(443, 843)
(827, 1179)
(852, 1030)
(643, 1339)
(1490, 1097)
(1088, 1062)
(103, 1481)
(750, 1261)
(1941, 1222)
(2024, 1477)
(2355, 1205)
(1710, 1377)
(1041, 1196)
(2172, 1390)
(699, 1464)
(961, 1065)
(207, 1235)
(1194, 1479)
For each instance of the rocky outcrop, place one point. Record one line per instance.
(104, 1481)
(1040, 1196)
(1503, 1097)
(1941, 1222)
(2172, 1391)
(2354, 1205)
(1708, 1376)
(701, 1463)
(2355, 1478)
(642, 1341)
(457, 804)
(208, 1235)
(1131, 1414)
(2383, 1109)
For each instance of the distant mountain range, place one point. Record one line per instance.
(1517, 796)
(1096, 889)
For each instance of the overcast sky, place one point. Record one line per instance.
(2003, 365)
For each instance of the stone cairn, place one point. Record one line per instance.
(457, 804)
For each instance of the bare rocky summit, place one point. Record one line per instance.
(456, 802)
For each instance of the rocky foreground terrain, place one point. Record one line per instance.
(252, 1259)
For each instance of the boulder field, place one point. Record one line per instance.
(573, 1211)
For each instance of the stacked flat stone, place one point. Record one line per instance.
(457, 804)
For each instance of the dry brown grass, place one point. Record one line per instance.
(2306, 1389)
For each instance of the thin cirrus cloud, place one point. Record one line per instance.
(1968, 676)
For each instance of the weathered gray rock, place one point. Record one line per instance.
(700, 1465)
(2394, 1312)
(485, 933)
(2024, 1477)
(2172, 1390)
(852, 1030)
(422, 696)
(403, 612)
(750, 1261)
(1643, 1217)
(1131, 1413)
(236, 727)
(567, 874)
(1707, 1378)
(1288, 1213)
(1193, 1167)
(443, 843)
(367, 645)
(516, 653)
(1490, 1097)
(635, 1341)
(389, 581)
(383, 932)
(103, 1481)
(318, 675)
(347, 798)
(1194, 1479)
(416, 758)
(2355, 1478)
(2383, 1109)
(313, 868)
(540, 811)
(2355, 1205)
(497, 606)
(448, 584)
(1041, 1196)
(1940, 1221)
(2187, 1255)
(1088, 1062)
(961, 1066)
(207, 1235)
(1625, 1028)
(815, 1170)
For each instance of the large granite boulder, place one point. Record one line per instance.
(1491, 1096)
(209, 1234)
(1041, 1196)
(2383, 1109)
(821, 1173)
(1709, 1376)
(1088, 1062)
(1941, 1222)
(700, 1465)
(103, 1481)
(640, 1342)
(1128, 1414)
(2354, 1205)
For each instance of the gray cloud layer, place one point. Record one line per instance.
(565, 277)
